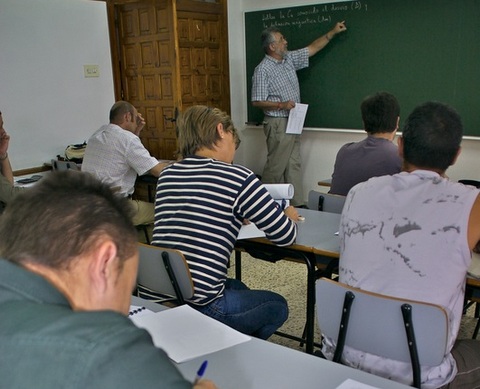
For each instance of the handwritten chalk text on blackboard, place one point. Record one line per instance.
(316, 14)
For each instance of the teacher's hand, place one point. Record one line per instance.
(287, 105)
(339, 27)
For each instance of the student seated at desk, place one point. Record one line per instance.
(116, 155)
(7, 190)
(374, 156)
(200, 205)
(410, 235)
(66, 279)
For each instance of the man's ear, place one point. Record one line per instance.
(220, 130)
(400, 146)
(103, 265)
(457, 155)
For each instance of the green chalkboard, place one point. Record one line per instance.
(418, 50)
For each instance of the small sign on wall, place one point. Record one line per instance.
(91, 71)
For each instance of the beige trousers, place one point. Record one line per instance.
(144, 212)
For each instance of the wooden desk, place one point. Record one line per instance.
(472, 290)
(148, 181)
(258, 364)
(326, 182)
(316, 243)
(473, 282)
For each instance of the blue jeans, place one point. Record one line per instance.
(254, 312)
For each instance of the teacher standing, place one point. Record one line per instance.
(275, 89)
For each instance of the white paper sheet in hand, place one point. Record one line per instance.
(184, 333)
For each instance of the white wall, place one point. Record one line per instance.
(45, 100)
(319, 146)
(47, 103)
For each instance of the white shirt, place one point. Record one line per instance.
(406, 235)
(116, 156)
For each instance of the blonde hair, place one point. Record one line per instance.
(197, 128)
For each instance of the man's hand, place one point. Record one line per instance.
(205, 384)
(339, 27)
(140, 123)
(290, 104)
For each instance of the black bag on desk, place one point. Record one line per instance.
(76, 152)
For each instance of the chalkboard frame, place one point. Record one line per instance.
(418, 50)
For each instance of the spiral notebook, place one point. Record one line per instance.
(137, 310)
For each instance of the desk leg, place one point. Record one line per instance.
(150, 189)
(238, 265)
(310, 319)
(308, 258)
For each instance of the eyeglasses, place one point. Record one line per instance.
(280, 40)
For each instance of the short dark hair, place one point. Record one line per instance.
(380, 113)
(119, 109)
(267, 37)
(432, 135)
(62, 217)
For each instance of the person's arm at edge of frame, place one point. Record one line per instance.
(474, 225)
(5, 166)
(319, 43)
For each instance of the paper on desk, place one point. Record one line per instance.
(296, 118)
(249, 231)
(184, 333)
(352, 384)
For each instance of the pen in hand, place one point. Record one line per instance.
(200, 372)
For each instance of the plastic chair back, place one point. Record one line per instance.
(165, 272)
(376, 324)
(325, 202)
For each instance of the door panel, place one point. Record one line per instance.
(203, 68)
(146, 35)
(146, 52)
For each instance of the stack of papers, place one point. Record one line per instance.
(184, 333)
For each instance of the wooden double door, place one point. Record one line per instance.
(168, 55)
